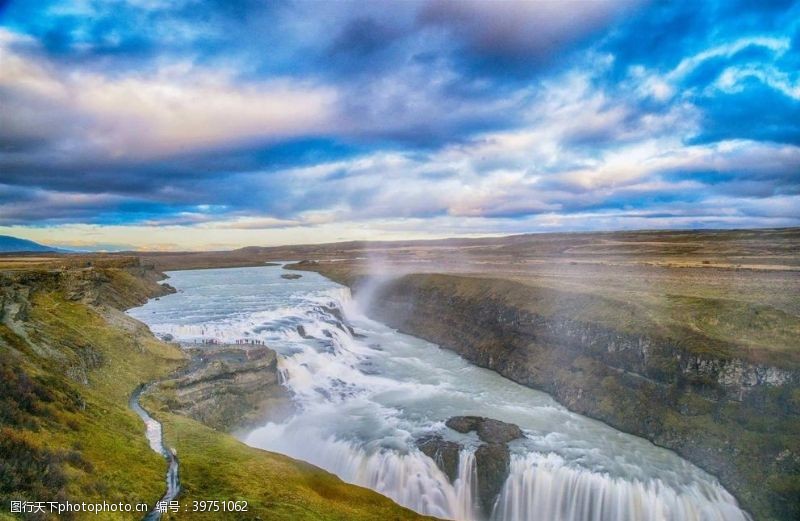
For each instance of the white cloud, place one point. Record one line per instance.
(176, 108)
(728, 49)
(731, 79)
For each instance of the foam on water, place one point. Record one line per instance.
(364, 398)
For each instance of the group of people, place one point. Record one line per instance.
(244, 341)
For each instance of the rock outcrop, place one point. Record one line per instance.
(444, 453)
(492, 457)
(228, 387)
(488, 430)
(491, 461)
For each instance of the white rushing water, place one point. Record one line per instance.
(364, 398)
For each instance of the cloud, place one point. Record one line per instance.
(299, 119)
(35, 205)
(174, 108)
(727, 50)
(519, 36)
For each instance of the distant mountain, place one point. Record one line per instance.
(15, 244)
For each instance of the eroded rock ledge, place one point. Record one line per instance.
(228, 387)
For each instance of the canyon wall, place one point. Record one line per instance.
(736, 418)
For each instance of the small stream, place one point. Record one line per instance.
(155, 437)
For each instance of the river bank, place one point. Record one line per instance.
(719, 411)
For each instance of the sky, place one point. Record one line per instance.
(187, 124)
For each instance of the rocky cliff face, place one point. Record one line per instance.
(118, 287)
(228, 387)
(737, 419)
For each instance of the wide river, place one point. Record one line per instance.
(364, 399)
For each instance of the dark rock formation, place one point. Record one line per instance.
(290, 276)
(444, 453)
(491, 459)
(463, 424)
(336, 312)
(492, 462)
(302, 332)
(341, 321)
(489, 430)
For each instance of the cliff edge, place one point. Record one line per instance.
(727, 406)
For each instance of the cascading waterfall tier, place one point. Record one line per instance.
(367, 394)
(542, 487)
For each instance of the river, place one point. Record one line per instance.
(364, 399)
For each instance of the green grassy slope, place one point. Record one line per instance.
(219, 467)
(69, 361)
(67, 431)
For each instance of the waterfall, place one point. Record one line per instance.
(466, 486)
(407, 476)
(543, 487)
(366, 394)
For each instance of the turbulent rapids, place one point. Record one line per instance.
(367, 394)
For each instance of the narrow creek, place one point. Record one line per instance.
(155, 437)
(367, 394)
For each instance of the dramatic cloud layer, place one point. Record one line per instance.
(149, 123)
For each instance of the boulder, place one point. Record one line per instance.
(488, 430)
(492, 458)
(444, 453)
(492, 463)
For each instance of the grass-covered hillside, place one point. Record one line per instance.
(69, 361)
